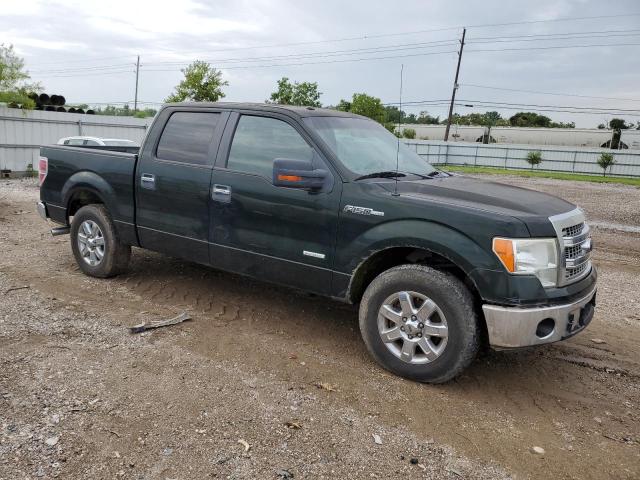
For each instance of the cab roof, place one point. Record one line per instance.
(268, 107)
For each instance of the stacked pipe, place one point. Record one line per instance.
(51, 103)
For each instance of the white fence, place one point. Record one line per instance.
(560, 159)
(23, 132)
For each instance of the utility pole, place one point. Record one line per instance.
(455, 86)
(135, 100)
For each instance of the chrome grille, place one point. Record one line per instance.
(573, 230)
(575, 273)
(577, 250)
(575, 246)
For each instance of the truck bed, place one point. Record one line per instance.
(108, 174)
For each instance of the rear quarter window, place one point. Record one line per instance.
(187, 136)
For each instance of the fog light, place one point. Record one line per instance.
(545, 328)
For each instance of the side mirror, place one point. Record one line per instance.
(298, 174)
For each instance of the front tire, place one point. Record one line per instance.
(420, 323)
(95, 243)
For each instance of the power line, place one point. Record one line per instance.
(555, 34)
(80, 69)
(537, 109)
(554, 47)
(381, 49)
(562, 19)
(532, 107)
(549, 93)
(370, 50)
(113, 69)
(550, 106)
(106, 73)
(572, 37)
(371, 36)
(320, 63)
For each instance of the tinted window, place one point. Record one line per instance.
(258, 141)
(74, 141)
(92, 143)
(187, 136)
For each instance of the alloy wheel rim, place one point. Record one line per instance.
(91, 243)
(412, 327)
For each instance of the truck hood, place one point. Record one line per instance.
(533, 208)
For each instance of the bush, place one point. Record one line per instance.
(605, 161)
(534, 158)
(409, 133)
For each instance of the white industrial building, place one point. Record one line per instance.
(575, 137)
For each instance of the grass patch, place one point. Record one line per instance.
(543, 174)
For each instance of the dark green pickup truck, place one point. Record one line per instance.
(331, 203)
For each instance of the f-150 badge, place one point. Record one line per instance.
(362, 211)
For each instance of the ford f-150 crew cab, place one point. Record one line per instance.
(332, 203)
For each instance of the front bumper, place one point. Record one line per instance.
(511, 327)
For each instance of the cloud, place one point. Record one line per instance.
(57, 36)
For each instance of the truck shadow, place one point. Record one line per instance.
(294, 320)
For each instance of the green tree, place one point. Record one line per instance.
(529, 119)
(425, 119)
(605, 161)
(393, 114)
(13, 86)
(617, 125)
(297, 93)
(368, 106)
(534, 158)
(343, 106)
(201, 83)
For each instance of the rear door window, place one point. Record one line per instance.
(187, 136)
(258, 141)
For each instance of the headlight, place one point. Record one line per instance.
(529, 256)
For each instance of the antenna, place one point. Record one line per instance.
(395, 191)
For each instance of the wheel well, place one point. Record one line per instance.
(392, 257)
(80, 199)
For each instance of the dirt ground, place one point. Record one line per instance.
(287, 375)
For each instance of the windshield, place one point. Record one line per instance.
(119, 143)
(365, 146)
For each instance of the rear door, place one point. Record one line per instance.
(280, 234)
(172, 182)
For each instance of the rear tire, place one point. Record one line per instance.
(420, 323)
(95, 243)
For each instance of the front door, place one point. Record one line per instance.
(281, 234)
(173, 179)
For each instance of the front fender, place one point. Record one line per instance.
(440, 239)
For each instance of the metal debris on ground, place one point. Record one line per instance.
(377, 439)
(293, 425)
(160, 323)
(244, 444)
(598, 341)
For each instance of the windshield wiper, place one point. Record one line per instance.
(386, 174)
